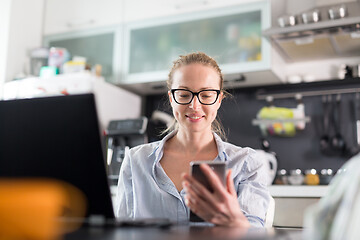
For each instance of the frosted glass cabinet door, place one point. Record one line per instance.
(98, 46)
(231, 35)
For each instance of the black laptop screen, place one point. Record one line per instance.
(56, 137)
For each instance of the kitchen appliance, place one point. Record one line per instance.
(270, 165)
(121, 136)
(335, 34)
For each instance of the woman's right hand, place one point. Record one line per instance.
(219, 207)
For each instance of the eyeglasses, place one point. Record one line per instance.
(206, 97)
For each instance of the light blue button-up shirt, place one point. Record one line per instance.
(145, 191)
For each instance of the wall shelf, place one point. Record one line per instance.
(320, 88)
(308, 93)
(257, 121)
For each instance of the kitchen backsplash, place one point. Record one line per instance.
(300, 151)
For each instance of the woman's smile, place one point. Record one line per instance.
(195, 117)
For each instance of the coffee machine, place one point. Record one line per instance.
(121, 136)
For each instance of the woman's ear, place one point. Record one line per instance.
(170, 98)
(221, 96)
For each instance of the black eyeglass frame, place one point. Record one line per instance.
(195, 94)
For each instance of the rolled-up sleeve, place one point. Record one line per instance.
(124, 196)
(251, 184)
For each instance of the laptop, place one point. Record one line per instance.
(59, 137)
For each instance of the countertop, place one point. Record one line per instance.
(298, 191)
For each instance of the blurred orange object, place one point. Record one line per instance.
(38, 208)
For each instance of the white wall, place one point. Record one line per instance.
(4, 37)
(321, 69)
(26, 20)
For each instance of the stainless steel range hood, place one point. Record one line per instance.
(321, 40)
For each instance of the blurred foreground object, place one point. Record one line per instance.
(337, 214)
(39, 208)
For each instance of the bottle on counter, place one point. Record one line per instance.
(325, 176)
(311, 177)
(296, 177)
(281, 177)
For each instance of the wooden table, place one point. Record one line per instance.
(181, 232)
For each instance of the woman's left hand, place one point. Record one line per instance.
(219, 207)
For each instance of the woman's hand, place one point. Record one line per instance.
(221, 206)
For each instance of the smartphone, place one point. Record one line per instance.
(220, 170)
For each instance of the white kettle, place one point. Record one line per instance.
(271, 164)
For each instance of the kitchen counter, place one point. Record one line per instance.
(298, 191)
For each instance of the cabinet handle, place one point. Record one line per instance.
(191, 5)
(80, 23)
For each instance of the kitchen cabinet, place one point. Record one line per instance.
(232, 35)
(136, 10)
(68, 15)
(291, 203)
(98, 46)
(145, 43)
(63, 16)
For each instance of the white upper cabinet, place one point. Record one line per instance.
(149, 35)
(136, 10)
(72, 15)
(230, 34)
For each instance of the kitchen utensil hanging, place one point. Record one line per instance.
(325, 146)
(356, 104)
(337, 141)
(332, 141)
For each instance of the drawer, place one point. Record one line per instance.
(289, 211)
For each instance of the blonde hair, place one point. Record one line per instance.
(201, 58)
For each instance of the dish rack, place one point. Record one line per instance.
(285, 127)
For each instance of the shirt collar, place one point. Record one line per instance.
(159, 149)
(157, 154)
(221, 148)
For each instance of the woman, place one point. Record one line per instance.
(153, 178)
